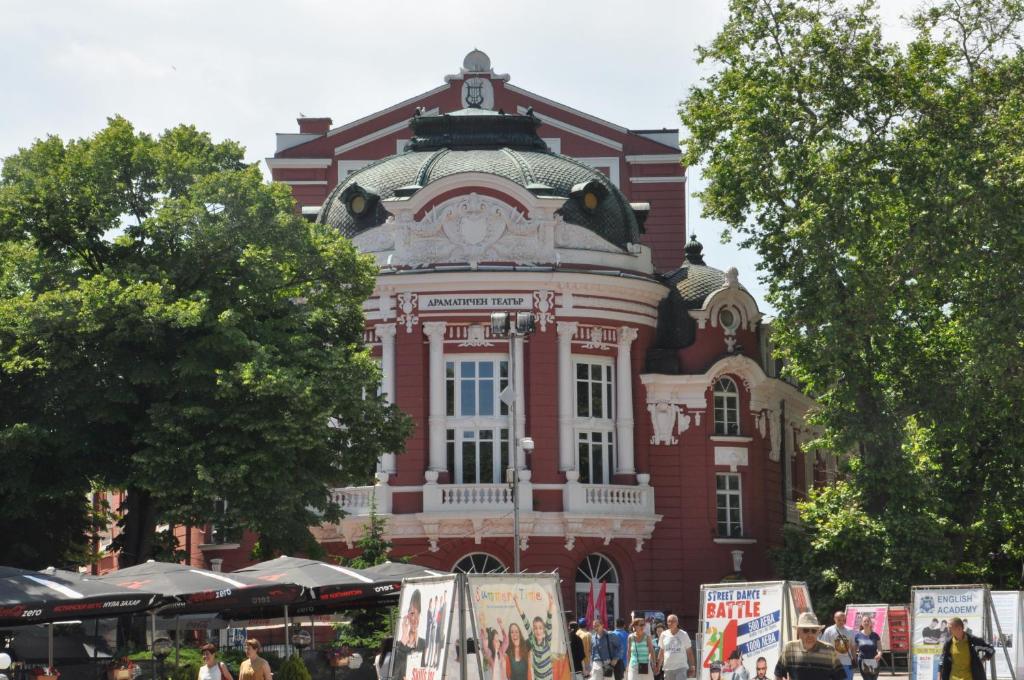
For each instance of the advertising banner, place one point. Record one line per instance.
(422, 631)
(742, 628)
(518, 621)
(879, 615)
(899, 629)
(1007, 604)
(932, 608)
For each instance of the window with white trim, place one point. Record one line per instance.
(477, 433)
(727, 407)
(595, 420)
(729, 501)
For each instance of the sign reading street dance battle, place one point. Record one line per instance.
(421, 633)
(932, 609)
(521, 631)
(741, 628)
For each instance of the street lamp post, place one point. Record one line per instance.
(519, 326)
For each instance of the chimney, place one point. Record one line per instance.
(314, 126)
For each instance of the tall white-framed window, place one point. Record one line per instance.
(477, 432)
(727, 407)
(595, 419)
(594, 570)
(729, 502)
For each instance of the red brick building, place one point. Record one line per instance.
(666, 450)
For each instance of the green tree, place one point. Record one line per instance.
(171, 327)
(367, 628)
(880, 185)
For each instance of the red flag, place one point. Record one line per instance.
(590, 605)
(601, 608)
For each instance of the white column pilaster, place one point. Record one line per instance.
(386, 334)
(520, 430)
(566, 396)
(435, 330)
(624, 402)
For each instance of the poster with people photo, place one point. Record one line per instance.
(932, 608)
(741, 629)
(856, 614)
(422, 629)
(519, 624)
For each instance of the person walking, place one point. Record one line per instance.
(584, 635)
(675, 652)
(963, 655)
(659, 628)
(604, 652)
(255, 667)
(576, 647)
(868, 648)
(382, 661)
(623, 635)
(211, 668)
(841, 638)
(640, 652)
(807, 657)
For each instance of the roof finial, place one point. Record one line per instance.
(694, 250)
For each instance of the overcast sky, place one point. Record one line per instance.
(245, 70)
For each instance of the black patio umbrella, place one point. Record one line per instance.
(194, 591)
(28, 597)
(336, 587)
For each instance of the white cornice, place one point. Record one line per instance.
(384, 112)
(656, 159)
(569, 109)
(572, 129)
(303, 182)
(378, 134)
(296, 163)
(658, 180)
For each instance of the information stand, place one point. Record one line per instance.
(1009, 607)
(458, 627)
(753, 619)
(931, 609)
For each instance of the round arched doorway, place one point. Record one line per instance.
(594, 570)
(479, 563)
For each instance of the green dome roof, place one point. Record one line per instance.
(694, 280)
(477, 140)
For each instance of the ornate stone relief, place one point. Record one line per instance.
(407, 305)
(544, 303)
(663, 420)
(471, 229)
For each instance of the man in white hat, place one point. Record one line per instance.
(807, 658)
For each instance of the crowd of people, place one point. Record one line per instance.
(640, 653)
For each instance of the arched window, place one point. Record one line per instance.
(479, 563)
(594, 569)
(727, 407)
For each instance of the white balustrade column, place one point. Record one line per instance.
(386, 333)
(520, 383)
(435, 330)
(566, 396)
(624, 402)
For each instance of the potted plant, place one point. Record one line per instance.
(121, 668)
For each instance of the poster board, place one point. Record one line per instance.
(423, 628)
(506, 608)
(1008, 606)
(754, 618)
(879, 615)
(931, 609)
(899, 629)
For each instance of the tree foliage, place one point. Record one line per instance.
(367, 628)
(881, 186)
(171, 327)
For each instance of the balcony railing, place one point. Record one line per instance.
(357, 500)
(468, 498)
(608, 499)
